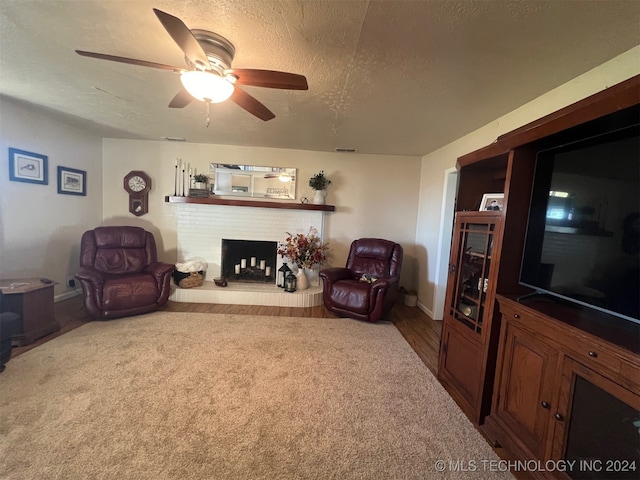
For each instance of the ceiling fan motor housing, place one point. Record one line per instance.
(218, 49)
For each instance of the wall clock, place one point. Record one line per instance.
(137, 184)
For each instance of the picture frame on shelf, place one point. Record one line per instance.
(28, 167)
(72, 181)
(492, 202)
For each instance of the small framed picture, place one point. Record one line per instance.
(492, 201)
(72, 181)
(27, 167)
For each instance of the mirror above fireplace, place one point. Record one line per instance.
(253, 181)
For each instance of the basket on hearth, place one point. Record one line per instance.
(190, 273)
(188, 279)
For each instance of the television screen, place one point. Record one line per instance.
(583, 233)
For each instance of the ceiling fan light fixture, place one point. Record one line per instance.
(231, 78)
(206, 86)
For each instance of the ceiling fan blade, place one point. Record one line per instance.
(181, 100)
(269, 78)
(184, 38)
(251, 105)
(132, 61)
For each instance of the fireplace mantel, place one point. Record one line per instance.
(250, 203)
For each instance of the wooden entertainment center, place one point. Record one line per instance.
(521, 369)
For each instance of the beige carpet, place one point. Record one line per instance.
(207, 396)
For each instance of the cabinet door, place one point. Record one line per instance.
(460, 366)
(526, 387)
(470, 285)
(597, 425)
(469, 305)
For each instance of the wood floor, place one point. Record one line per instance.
(420, 331)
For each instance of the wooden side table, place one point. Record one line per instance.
(33, 301)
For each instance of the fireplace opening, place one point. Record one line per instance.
(249, 260)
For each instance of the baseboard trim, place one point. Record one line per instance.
(65, 296)
(427, 311)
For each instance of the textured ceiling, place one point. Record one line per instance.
(385, 77)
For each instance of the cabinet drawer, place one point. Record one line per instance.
(621, 366)
(512, 312)
(600, 358)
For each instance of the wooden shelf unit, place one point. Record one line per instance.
(463, 366)
(543, 360)
(507, 166)
(249, 203)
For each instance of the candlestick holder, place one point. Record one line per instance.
(183, 183)
(175, 182)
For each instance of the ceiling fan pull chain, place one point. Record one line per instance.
(208, 120)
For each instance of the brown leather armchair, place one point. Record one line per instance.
(119, 272)
(347, 296)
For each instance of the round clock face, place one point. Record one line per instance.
(137, 183)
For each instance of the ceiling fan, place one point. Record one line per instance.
(209, 76)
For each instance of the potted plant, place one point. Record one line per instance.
(319, 182)
(201, 181)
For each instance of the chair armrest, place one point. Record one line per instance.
(160, 270)
(385, 283)
(336, 273)
(92, 276)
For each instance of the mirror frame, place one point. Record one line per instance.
(253, 181)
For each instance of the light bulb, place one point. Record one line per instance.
(206, 86)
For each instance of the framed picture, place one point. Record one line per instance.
(72, 181)
(492, 201)
(27, 167)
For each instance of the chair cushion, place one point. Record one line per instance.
(129, 291)
(120, 260)
(372, 256)
(125, 237)
(351, 295)
(119, 250)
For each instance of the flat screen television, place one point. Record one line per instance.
(583, 233)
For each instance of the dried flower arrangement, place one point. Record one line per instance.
(304, 250)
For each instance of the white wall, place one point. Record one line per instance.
(40, 229)
(434, 164)
(374, 195)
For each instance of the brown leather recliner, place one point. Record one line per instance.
(347, 296)
(119, 272)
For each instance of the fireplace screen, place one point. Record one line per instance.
(249, 260)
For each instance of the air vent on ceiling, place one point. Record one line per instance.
(346, 150)
(175, 139)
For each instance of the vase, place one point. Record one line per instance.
(312, 276)
(319, 196)
(302, 282)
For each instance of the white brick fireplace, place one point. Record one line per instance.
(201, 228)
